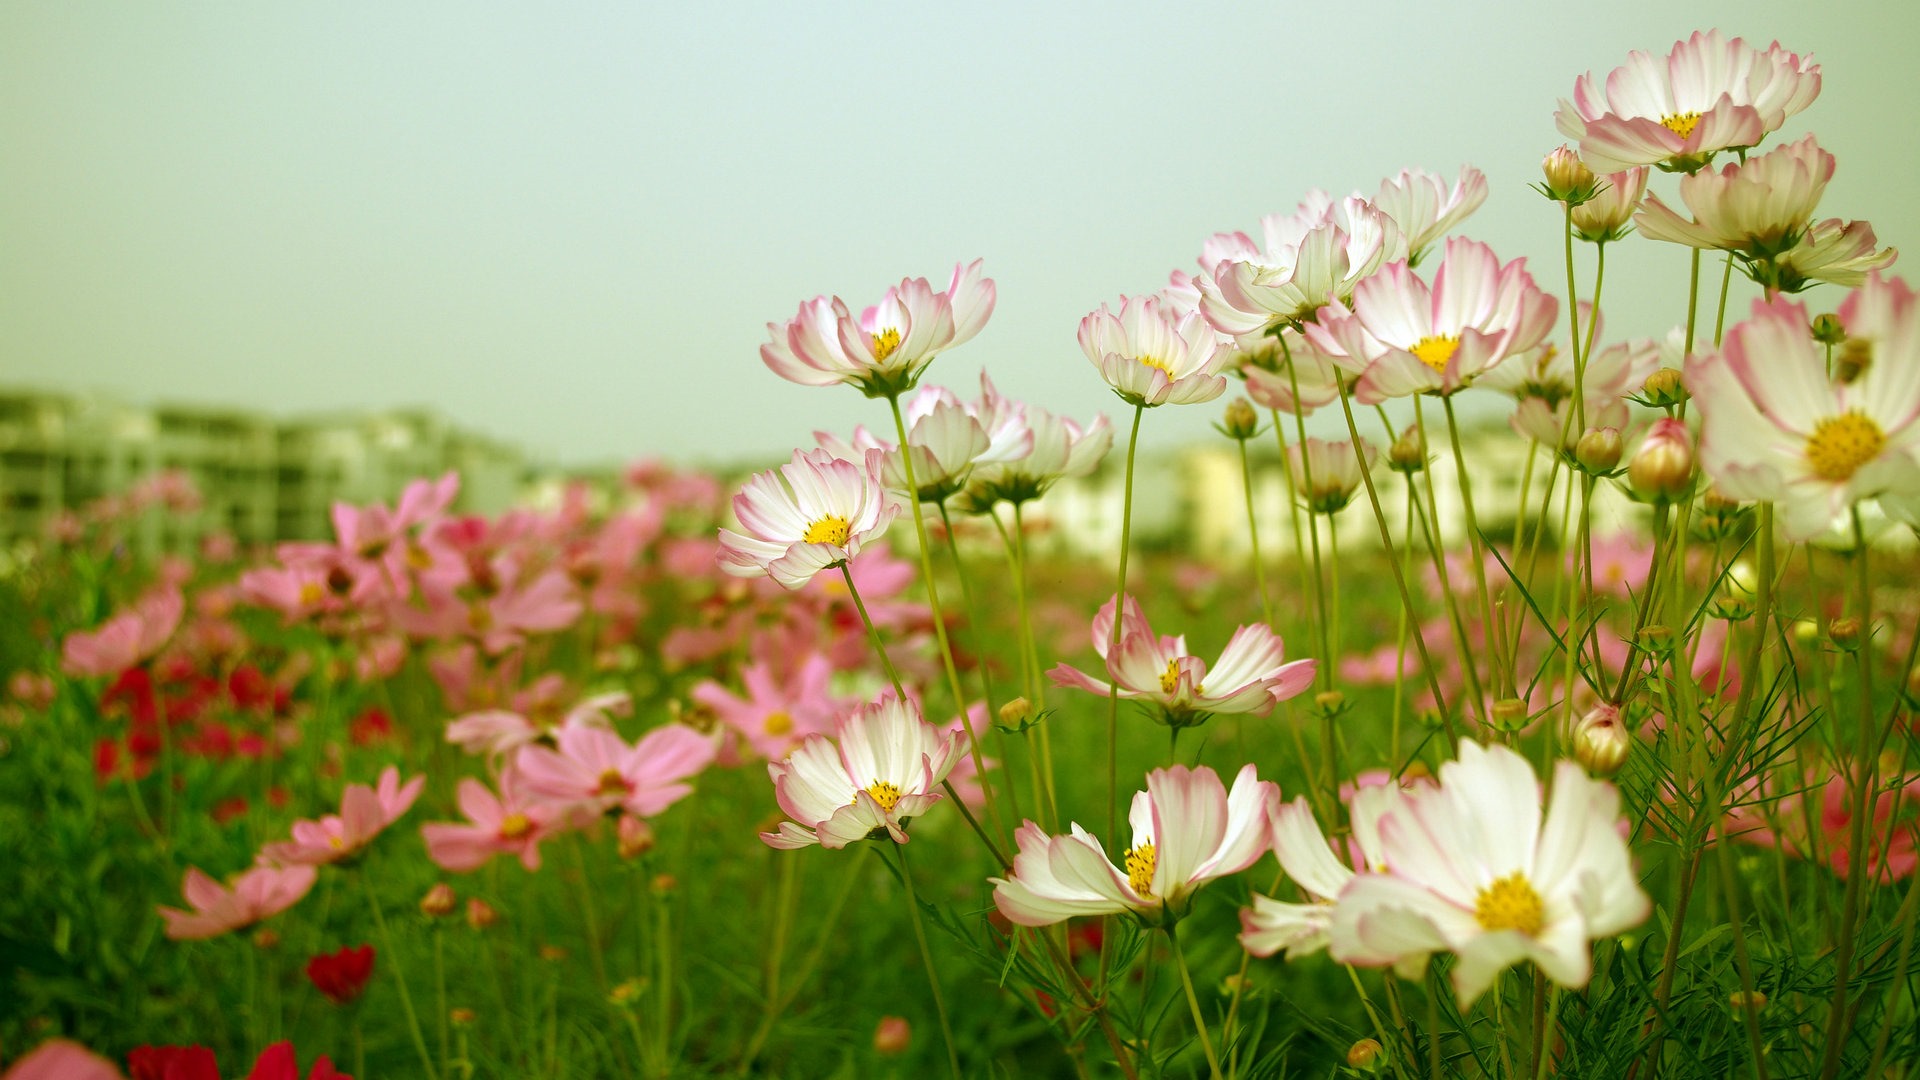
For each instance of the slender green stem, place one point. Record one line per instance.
(663, 977)
(1475, 550)
(873, 634)
(979, 648)
(1900, 984)
(1113, 635)
(1323, 674)
(1253, 535)
(1379, 1028)
(440, 990)
(1436, 552)
(926, 958)
(1693, 300)
(1720, 318)
(827, 934)
(1293, 496)
(1543, 1035)
(1193, 1001)
(399, 977)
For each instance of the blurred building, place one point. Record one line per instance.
(260, 479)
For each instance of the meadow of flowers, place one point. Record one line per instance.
(833, 773)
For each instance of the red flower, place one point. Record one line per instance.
(343, 975)
(172, 1063)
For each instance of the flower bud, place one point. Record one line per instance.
(1852, 360)
(1662, 469)
(1241, 421)
(439, 901)
(1599, 450)
(1509, 714)
(480, 914)
(1366, 1055)
(1329, 701)
(461, 1016)
(1828, 329)
(1845, 632)
(1663, 387)
(1599, 740)
(553, 954)
(664, 883)
(1408, 453)
(266, 939)
(634, 836)
(1656, 639)
(1715, 503)
(1015, 712)
(892, 1036)
(625, 993)
(1568, 179)
(1742, 999)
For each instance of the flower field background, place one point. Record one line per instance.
(833, 772)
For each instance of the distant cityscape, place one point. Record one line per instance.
(264, 479)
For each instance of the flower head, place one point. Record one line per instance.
(885, 349)
(1151, 356)
(256, 894)
(1423, 209)
(883, 767)
(1757, 208)
(811, 514)
(1188, 829)
(1307, 259)
(341, 976)
(365, 812)
(594, 771)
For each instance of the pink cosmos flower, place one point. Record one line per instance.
(1151, 356)
(1422, 208)
(1832, 251)
(1334, 469)
(132, 636)
(883, 766)
(1307, 259)
(1603, 218)
(1271, 926)
(945, 439)
(1188, 829)
(1250, 676)
(594, 770)
(510, 823)
(1055, 448)
(884, 351)
(365, 812)
(256, 894)
(1474, 867)
(775, 714)
(1709, 94)
(1756, 208)
(501, 731)
(62, 1059)
(811, 514)
(1775, 427)
(1315, 376)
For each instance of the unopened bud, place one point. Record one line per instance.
(1828, 329)
(1656, 639)
(1408, 453)
(1731, 608)
(1509, 714)
(1241, 421)
(664, 883)
(1015, 712)
(1328, 701)
(1805, 630)
(439, 901)
(1599, 740)
(1366, 1055)
(553, 954)
(1662, 469)
(1415, 770)
(1663, 387)
(1715, 503)
(634, 836)
(266, 939)
(1235, 984)
(1744, 999)
(480, 914)
(1599, 450)
(460, 1016)
(892, 1036)
(1852, 360)
(626, 993)
(1844, 632)
(1568, 179)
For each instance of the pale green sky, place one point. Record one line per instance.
(568, 225)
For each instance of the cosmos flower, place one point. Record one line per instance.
(1604, 217)
(1306, 259)
(882, 768)
(341, 976)
(510, 823)
(256, 894)
(1476, 868)
(811, 514)
(1334, 469)
(1775, 427)
(365, 812)
(1756, 208)
(132, 636)
(885, 349)
(1250, 677)
(1271, 926)
(1423, 209)
(1151, 356)
(1709, 94)
(1188, 829)
(1055, 448)
(593, 770)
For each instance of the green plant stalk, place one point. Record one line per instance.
(440, 990)
(1379, 1028)
(1113, 642)
(1475, 550)
(940, 622)
(663, 966)
(1193, 1002)
(1323, 674)
(1292, 499)
(1720, 318)
(979, 649)
(1253, 534)
(1434, 549)
(399, 977)
(1750, 1014)
(926, 958)
(1543, 1034)
(596, 947)
(1039, 749)
(815, 954)
(1399, 578)
(873, 634)
(1900, 984)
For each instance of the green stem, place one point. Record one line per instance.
(926, 958)
(1475, 551)
(1113, 636)
(1193, 1001)
(1253, 535)
(399, 977)
(873, 634)
(979, 650)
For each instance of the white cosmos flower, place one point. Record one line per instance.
(1272, 926)
(1150, 355)
(1187, 830)
(808, 515)
(883, 766)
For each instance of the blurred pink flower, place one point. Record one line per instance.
(593, 770)
(510, 823)
(127, 639)
(255, 894)
(365, 812)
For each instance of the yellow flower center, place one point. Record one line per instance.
(1681, 124)
(885, 794)
(1140, 869)
(1841, 444)
(832, 529)
(1510, 904)
(515, 826)
(311, 594)
(336, 842)
(778, 722)
(1156, 362)
(885, 342)
(612, 783)
(1170, 678)
(1436, 351)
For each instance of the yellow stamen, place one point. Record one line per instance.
(1436, 351)
(885, 794)
(885, 342)
(1170, 678)
(515, 826)
(778, 722)
(1841, 444)
(612, 783)
(1140, 864)
(311, 594)
(1510, 903)
(1156, 362)
(336, 843)
(832, 529)
(1681, 124)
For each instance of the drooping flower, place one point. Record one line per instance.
(1329, 472)
(1056, 448)
(256, 894)
(1775, 427)
(1603, 218)
(341, 976)
(885, 349)
(1250, 677)
(365, 812)
(1188, 829)
(1757, 208)
(1476, 868)
(1403, 337)
(1832, 251)
(1151, 356)
(1708, 94)
(882, 767)
(594, 770)
(811, 514)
